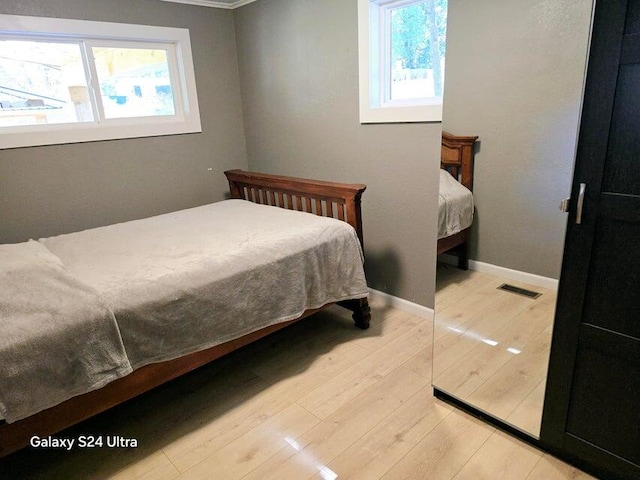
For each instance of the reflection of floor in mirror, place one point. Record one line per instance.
(492, 346)
(318, 400)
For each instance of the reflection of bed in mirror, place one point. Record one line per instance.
(517, 84)
(456, 202)
(490, 345)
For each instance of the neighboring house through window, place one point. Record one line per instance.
(401, 48)
(66, 81)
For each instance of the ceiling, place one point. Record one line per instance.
(229, 4)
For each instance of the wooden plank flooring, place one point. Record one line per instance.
(492, 347)
(319, 400)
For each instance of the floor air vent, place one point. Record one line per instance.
(520, 291)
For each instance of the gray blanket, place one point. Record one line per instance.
(455, 208)
(59, 338)
(163, 287)
(189, 280)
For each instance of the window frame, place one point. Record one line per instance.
(89, 34)
(373, 51)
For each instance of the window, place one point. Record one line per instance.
(401, 49)
(66, 81)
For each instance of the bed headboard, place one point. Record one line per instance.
(326, 199)
(457, 157)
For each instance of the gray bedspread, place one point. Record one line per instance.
(455, 207)
(80, 310)
(58, 338)
(189, 280)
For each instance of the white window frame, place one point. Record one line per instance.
(373, 27)
(89, 33)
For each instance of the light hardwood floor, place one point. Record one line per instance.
(319, 400)
(492, 346)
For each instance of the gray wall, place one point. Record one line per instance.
(50, 190)
(298, 64)
(514, 77)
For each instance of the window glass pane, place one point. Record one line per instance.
(41, 83)
(418, 42)
(134, 82)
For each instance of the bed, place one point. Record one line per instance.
(150, 307)
(456, 163)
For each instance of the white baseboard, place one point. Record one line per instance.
(402, 304)
(517, 275)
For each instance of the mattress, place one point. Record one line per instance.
(189, 280)
(455, 207)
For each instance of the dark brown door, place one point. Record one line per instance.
(592, 406)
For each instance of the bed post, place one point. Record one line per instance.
(361, 311)
(463, 251)
(360, 307)
(235, 190)
(354, 215)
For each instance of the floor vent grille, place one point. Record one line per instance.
(519, 291)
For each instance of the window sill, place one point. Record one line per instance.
(395, 114)
(88, 132)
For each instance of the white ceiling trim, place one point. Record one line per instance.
(213, 3)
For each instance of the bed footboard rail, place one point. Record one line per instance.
(326, 199)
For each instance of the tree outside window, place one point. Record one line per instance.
(417, 45)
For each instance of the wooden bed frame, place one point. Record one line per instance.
(457, 158)
(328, 199)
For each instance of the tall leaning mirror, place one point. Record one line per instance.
(514, 79)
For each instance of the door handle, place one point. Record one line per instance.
(580, 204)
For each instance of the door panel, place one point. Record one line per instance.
(592, 408)
(613, 290)
(603, 390)
(622, 173)
(633, 18)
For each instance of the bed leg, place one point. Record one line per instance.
(362, 314)
(361, 311)
(463, 256)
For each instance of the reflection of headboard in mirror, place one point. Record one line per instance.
(457, 157)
